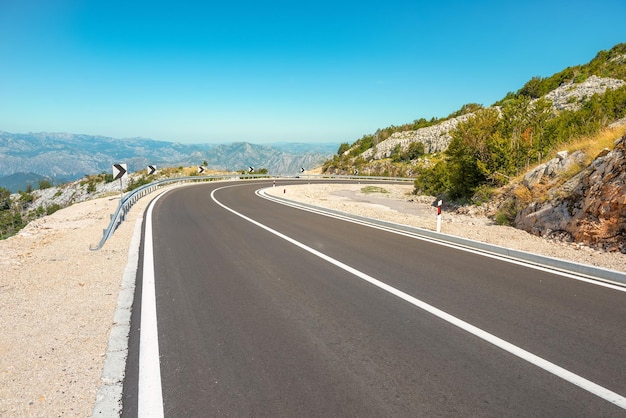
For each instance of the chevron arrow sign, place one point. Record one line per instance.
(151, 169)
(119, 171)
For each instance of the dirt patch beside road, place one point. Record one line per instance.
(398, 204)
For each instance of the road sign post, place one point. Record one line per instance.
(119, 172)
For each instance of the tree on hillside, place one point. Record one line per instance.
(470, 161)
(343, 148)
(5, 199)
(523, 123)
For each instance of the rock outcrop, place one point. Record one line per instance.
(570, 96)
(590, 208)
(435, 138)
(549, 172)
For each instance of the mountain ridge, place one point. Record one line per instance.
(63, 157)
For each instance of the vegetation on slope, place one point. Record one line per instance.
(488, 149)
(605, 64)
(515, 196)
(501, 141)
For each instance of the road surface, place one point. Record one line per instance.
(267, 310)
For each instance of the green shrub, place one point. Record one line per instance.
(52, 208)
(136, 183)
(373, 189)
(483, 194)
(502, 218)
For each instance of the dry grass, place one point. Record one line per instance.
(187, 171)
(522, 195)
(592, 146)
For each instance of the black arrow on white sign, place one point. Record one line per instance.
(119, 171)
(302, 169)
(200, 169)
(151, 169)
(250, 169)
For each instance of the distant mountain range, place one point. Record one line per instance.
(61, 157)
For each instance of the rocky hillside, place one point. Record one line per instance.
(568, 96)
(18, 209)
(589, 208)
(478, 154)
(435, 139)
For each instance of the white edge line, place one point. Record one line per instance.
(150, 395)
(552, 368)
(320, 211)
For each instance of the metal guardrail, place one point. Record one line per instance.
(127, 201)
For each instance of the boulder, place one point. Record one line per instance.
(549, 172)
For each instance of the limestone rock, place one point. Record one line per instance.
(435, 138)
(570, 96)
(547, 173)
(590, 208)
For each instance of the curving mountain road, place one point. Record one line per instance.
(267, 310)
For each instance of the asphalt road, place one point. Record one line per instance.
(251, 324)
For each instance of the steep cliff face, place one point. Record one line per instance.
(590, 208)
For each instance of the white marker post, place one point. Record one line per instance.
(439, 216)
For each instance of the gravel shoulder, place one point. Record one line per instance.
(396, 203)
(58, 298)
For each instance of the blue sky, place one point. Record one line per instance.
(318, 71)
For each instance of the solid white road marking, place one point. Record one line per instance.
(573, 378)
(150, 397)
(262, 193)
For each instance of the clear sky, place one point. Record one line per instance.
(266, 71)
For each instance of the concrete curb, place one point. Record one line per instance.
(109, 396)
